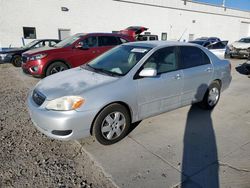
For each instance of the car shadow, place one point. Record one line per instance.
(243, 68)
(200, 160)
(133, 126)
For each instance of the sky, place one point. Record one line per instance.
(238, 4)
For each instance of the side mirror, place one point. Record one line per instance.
(81, 46)
(148, 72)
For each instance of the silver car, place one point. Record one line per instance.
(127, 84)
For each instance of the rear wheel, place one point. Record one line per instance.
(112, 124)
(212, 96)
(16, 61)
(55, 68)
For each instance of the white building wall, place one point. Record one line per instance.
(171, 16)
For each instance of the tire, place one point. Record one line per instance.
(55, 68)
(16, 61)
(106, 128)
(211, 96)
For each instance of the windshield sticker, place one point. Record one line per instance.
(139, 50)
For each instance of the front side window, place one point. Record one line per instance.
(163, 60)
(107, 41)
(39, 45)
(89, 42)
(119, 60)
(192, 56)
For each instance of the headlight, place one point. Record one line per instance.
(3, 56)
(65, 103)
(37, 57)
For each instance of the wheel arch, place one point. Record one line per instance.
(56, 60)
(115, 102)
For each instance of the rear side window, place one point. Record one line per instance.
(121, 40)
(108, 41)
(192, 56)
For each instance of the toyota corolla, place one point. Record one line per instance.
(127, 84)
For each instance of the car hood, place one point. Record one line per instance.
(71, 82)
(39, 50)
(242, 45)
(9, 51)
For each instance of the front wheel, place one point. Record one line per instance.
(17, 61)
(212, 96)
(55, 68)
(112, 124)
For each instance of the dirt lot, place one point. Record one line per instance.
(30, 159)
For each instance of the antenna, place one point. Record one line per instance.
(224, 3)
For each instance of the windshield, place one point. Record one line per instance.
(245, 40)
(30, 44)
(68, 41)
(119, 60)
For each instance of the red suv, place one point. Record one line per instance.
(69, 53)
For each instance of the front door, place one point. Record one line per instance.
(160, 93)
(87, 50)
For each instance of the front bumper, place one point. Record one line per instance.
(52, 123)
(29, 68)
(240, 52)
(5, 59)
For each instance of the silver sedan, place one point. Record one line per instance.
(127, 84)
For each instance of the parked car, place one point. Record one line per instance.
(147, 37)
(240, 48)
(14, 55)
(69, 53)
(127, 84)
(220, 49)
(209, 39)
(136, 33)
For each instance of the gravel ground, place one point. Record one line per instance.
(30, 159)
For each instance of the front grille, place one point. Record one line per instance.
(38, 97)
(24, 59)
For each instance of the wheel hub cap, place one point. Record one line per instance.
(213, 96)
(113, 125)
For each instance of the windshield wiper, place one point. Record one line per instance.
(101, 70)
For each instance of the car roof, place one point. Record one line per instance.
(96, 34)
(156, 43)
(46, 39)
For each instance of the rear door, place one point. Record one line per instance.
(105, 43)
(160, 93)
(197, 71)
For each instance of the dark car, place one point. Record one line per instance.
(14, 55)
(209, 39)
(69, 53)
(201, 42)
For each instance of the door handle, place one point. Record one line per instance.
(177, 77)
(93, 51)
(209, 69)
